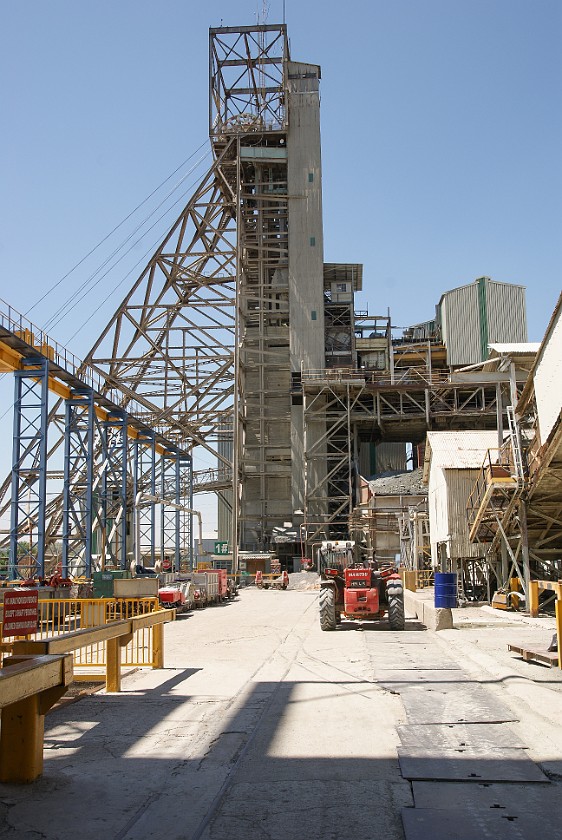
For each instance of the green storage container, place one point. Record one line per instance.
(103, 581)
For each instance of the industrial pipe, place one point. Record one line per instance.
(142, 500)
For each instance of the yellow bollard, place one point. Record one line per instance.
(113, 665)
(533, 598)
(158, 646)
(558, 608)
(410, 579)
(21, 741)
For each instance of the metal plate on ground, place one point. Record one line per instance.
(454, 735)
(459, 704)
(468, 764)
(411, 658)
(416, 637)
(422, 824)
(512, 798)
(415, 676)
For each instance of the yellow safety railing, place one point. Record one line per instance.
(424, 578)
(65, 615)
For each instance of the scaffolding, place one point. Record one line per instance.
(369, 405)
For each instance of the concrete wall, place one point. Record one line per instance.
(306, 247)
(306, 244)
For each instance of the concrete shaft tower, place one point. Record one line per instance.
(271, 106)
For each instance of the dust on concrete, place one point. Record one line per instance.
(304, 581)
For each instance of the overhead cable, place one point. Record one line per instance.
(116, 228)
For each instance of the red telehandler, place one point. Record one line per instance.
(352, 589)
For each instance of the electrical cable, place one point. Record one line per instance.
(115, 288)
(105, 238)
(63, 310)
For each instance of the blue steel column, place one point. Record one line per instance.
(114, 487)
(78, 481)
(185, 465)
(177, 517)
(29, 464)
(170, 520)
(145, 483)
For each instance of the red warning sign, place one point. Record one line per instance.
(21, 611)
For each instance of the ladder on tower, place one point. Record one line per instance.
(515, 440)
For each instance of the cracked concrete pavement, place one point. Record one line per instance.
(262, 726)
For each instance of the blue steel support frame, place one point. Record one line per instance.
(185, 466)
(145, 483)
(170, 517)
(29, 467)
(78, 481)
(114, 489)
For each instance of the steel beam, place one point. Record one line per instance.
(29, 468)
(78, 483)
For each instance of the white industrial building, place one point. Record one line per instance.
(453, 461)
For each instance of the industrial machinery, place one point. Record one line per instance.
(280, 582)
(179, 594)
(357, 589)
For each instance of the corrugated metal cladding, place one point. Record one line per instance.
(459, 486)
(548, 376)
(461, 325)
(437, 509)
(461, 449)
(375, 458)
(481, 313)
(506, 312)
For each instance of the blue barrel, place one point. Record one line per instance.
(445, 589)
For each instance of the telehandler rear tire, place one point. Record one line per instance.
(327, 608)
(396, 616)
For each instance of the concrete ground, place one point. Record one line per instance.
(262, 726)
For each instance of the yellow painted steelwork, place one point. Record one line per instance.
(67, 615)
(29, 686)
(106, 644)
(425, 577)
(537, 586)
(11, 360)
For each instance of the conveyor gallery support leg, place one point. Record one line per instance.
(29, 468)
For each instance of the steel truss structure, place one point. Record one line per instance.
(357, 407)
(180, 344)
(515, 511)
(103, 451)
(77, 528)
(29, 466)
(214, 349)
(172, 350)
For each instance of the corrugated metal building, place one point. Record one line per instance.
(479, 314)
(452, 465)
(376, 458)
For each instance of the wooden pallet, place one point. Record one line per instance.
(545, 657)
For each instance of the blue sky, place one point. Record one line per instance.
(441, 130)
(441, 133)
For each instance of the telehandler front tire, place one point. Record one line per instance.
(327, 603)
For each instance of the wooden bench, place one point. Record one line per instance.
(29, 686)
